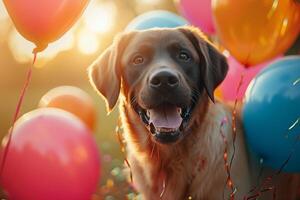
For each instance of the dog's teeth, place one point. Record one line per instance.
(148, 113)
(166, 130)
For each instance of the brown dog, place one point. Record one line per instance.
(175, 133)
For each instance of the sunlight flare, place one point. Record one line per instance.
(100, 17)
(22, 48)
(88, 42)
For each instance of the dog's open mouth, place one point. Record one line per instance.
(166, 122)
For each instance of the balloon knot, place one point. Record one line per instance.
(39, 48)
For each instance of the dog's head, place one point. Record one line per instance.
(163, 74)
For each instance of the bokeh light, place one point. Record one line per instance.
(88, 42)
(65, 62)
(151, 2)
(3, 12)
(22, 48)
(99, 17)
(5, 23)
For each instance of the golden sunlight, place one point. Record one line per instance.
(3, 12)
(149, 1)
(65, 43)
(22, 48)
(100, 17)
(88, 42)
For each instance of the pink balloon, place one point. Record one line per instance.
(52, 155)
(198, 13)
(236, 70)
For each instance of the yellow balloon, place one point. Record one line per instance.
(256, 30)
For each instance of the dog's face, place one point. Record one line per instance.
(164, 74)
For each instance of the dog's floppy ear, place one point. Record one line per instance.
(105, 72)
(215, 64)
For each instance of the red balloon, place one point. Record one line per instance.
(52, 155)
(44, 21)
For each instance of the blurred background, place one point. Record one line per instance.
(64, 62)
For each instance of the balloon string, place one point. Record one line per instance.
(17, 112)
(229, 181)
(234, 113)
(268, 179)
(163, 189)
(258, 177)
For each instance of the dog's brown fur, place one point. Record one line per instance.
(187, 169)
(193, 167)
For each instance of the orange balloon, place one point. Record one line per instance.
(218, 93)
(73, 100)
(255, 30)
(44, 21)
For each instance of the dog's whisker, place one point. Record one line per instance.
(133, 100)
(196, 93)
(194, 101)
(195, 90)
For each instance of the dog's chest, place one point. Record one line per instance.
(175, 179)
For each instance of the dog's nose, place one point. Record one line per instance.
(164, 79)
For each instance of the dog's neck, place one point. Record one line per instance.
(182, 159)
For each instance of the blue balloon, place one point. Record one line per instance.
(271, 107)
(156, 19)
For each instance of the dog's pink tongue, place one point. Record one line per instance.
(165, 116)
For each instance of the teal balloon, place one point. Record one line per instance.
(156, 19)
(271, 108)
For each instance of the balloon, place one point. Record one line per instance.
(156, 19)
(73, 100)
(253, 31)
(43, 22)
(198, 13)
(218, 94)
(228, 87)
(272, 108)
(51, 156)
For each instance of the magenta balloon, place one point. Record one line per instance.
(198, 13)
(236, 70)
(52, 155)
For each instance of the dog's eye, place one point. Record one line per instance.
(184, 56)
(137, 60)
